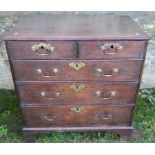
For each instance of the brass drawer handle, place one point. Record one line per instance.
(54, 72)
(99, 94)
(42, 46)
(99, 70)
(49, 118)
(105, 117)
(77, 109)
(115, 46)
(76, 65)
(46, 96)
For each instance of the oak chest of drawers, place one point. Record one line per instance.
(76, 72)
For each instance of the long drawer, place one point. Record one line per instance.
(47, 70)
(77, 116)
(58, 93)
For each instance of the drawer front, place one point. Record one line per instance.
(77, 116)
(59, 93)
(111, 49)
(41, 50)
(76, 70)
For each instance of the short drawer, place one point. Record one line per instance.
(77, 116)
(41, 50)
(63, 93)
(111, 49)
(51, 70)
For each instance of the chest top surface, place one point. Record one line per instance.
(75, 27)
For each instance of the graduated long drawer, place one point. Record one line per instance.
(62, 70)
(71, 93)
(84, 116)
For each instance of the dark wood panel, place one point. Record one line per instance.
(140, 78)
(75, 27)
(23, 49)
(65, 116)
(58, 93)
(93, 49)
(98, 96)
(85, 70)
(30, 133)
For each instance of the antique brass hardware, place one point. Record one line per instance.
(77, 109)
(105, 117)
(77, 87)
(115, 46)
(49, 118)
(49, 49)
(53, 73)
(99, 94)
(77, 65)
(114, 70)
(44, 95)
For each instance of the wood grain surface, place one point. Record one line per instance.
(76, 99)
(30, 93)
(27, 70)
(76, 27)
(64, 116)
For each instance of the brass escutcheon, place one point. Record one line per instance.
(111, 45)
(77, 87)
(45, 46)
(115, 46)
(77, 109)
(77, 65)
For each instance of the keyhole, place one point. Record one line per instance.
(42, 47)
(76, 65)
(77, 109)
(77, 87)
(112, 46)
